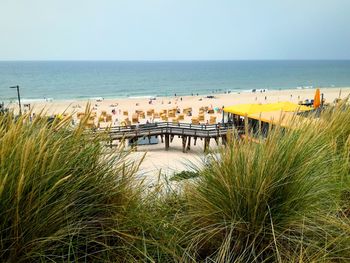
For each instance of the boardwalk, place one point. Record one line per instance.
(167, 130)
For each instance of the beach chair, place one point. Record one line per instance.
(195, 121)
(80, 115)
(171, 114)
(181, 117)
(125, 113)
(101, 119)
(90, 124)
(210, 111)
(201, 117)
(127, 121)
(103, 113)
(186, 110)
(142, 115)
(135, 118)
(108, 118)
(212, 120)
(150, 112)
(176, 120)
(164, 117)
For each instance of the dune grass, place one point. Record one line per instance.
(61, 198)
(64, 198)
(274, 200)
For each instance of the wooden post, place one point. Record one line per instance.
(133, 143)
(195, 141)
(167, 142)
(206, 144)
(184, 139)
(224, 139)
(189, 144)
(217, 140)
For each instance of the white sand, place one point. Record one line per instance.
(157, 159)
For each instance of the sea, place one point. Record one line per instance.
(71, 80)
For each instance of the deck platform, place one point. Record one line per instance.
(167, 130)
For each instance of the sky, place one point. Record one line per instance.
(174, 29)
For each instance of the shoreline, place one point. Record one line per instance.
(228, 92)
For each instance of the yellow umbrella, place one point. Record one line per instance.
(317, 99)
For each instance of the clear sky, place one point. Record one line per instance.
(174, 29)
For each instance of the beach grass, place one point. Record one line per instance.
(284, 198)
(276, 200)
(61, 197)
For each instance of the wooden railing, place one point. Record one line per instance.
(160, 128)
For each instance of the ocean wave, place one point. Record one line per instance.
(36, 100)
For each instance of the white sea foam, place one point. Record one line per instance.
(36, 100)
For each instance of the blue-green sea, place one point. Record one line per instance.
(59, 80)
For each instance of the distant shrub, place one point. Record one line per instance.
(183, 175)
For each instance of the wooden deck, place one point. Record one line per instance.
(167, 130)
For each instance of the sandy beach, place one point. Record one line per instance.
(158, 160)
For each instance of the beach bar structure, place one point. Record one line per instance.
(243, 118)
(258, 117)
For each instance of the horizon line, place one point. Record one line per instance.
(165, 60)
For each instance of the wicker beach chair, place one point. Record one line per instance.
(171, 113)
(142, 115)
(150, 112)
(176, 120)
(101, 119)
(135, 118)
(164, 117)
(212, 120)
(90, 124)
(201, 117)
(109, 118)
(195, 121)
(80, 115)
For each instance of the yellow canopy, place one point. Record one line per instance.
(248, 109)
(284, 119)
